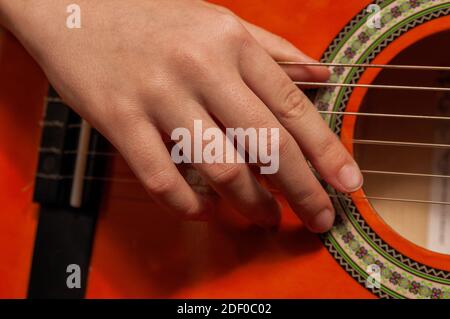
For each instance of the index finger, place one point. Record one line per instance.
(299, 116)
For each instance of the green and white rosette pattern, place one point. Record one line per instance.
(362, 253)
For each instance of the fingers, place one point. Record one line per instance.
(282, 50)
(294, 178)
(299, 116)
(148, 157)
(233, 181)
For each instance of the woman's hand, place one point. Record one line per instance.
(138, 69)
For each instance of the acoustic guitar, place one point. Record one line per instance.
(68, 198)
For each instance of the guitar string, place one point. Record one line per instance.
(387, 115)
(392, 199)
(365, 65)
(369, 142)
(407, 174)
(60, 124)
(398, 143)
(336, 196)
(374, 86)
(380, 172)
(354, 141)
(369, 197)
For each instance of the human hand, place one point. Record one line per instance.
(138, 69)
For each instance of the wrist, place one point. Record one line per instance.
(33, 22)
(19, 16)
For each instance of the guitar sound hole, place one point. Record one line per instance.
(427, 225)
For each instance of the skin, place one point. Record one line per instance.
(138, 69)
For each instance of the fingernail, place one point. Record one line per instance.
(350, 177)
(322, 222)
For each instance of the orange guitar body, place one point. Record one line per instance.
(140, 252)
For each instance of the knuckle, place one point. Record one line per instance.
(294, 103)
(226, 175)
(157, 91)
(307, 198)
(161, 183)
(284, 143)
(122, 111)
(232, 28)
(330, 148)
(189, 58)
(195, 63)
